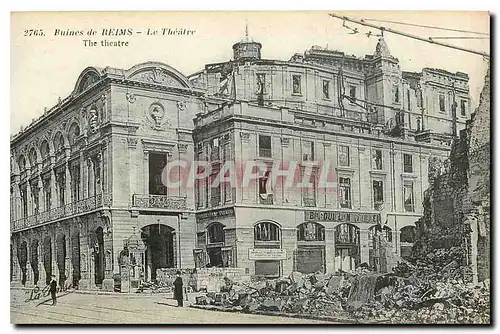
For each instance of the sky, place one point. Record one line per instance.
(44, 68)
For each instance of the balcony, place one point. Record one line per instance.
(65, 211)
(149, 201)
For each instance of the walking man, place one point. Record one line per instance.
(178, 295)
(53, 288)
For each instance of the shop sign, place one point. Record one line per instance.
(215, 214)
(266, 254)
(342, 216)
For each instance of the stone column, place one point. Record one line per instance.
(29, 199)
(41, 268)
(53, 190)
(16, 268)
(41, 197)
(67, 184)
(330, 251)
(55, 269)
(29, 270)
(83, 177)
(90, 174)
(146, 172)
(68, 265)
(16, 194)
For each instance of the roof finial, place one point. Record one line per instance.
(246, 29)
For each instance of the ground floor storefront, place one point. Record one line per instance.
(274, 242)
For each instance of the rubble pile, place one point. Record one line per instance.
(154, 287)
(430, 289)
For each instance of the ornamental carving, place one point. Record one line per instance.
(245, 136)
(157, 76)
(182, 148)
(156, 116)
(181, 105)
(130, 97)
(285, 141)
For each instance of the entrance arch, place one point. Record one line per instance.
(61, 257)
(47, 258)
(22, 256)
(160, 248)
(99, 256)
(347, 247)
(34, 261)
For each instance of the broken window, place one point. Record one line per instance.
(215, 233)
(407, 163)
(345, 192)
(442, 107)
(265, 189)
(265, 146)
(377, 159)
(310, 232)
(296, 89)
(409, 203)
(326, 89)
(344, 156)
(378, 194)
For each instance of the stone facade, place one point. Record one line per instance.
(88, 196)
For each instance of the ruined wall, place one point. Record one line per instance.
(456, 204)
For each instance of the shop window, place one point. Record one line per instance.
(310, 232)
(377, 159)
(266, 231)
(409, 201)
(407, 163)
(345, 192)
(346, 234)
(344, 159)
(215, 233)
(378, 194)
(296, 83)
(265, 146)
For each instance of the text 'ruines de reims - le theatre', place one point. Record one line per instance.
(87, 177)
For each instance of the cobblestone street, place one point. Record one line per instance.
(77, 308)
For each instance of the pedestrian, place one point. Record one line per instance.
(53, 288)
(178, 295)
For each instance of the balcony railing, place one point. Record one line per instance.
(159, 201)
(70, 209)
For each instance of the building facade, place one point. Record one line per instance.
(88, 191)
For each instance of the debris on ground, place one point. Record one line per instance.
(428, 289)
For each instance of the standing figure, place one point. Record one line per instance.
(178, 290)
(53, 288)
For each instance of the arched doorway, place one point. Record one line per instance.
(34, 261)
(75, 258)
(47, 258)
(310, 253)
(347, 252)
(61, 258)
(22, 256)
(160, 248)
(99, 256)
(407, 238)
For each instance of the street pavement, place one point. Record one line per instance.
(86, 308)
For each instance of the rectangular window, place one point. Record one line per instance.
(24, 201)
(408, 99)
(157, 162)
(377, 159)
(407, 163)
(265, 146)
(226, 156)
(307, 150)
(214, 191)
(214, 148)
(344, 159)
(395, 92)
(75, 183)
(309, 193)
(326, 89)
(199, 193)
(378, 195)
(409, 203)
(265, 189)
(34, 195)
(297, 85)
(463, 107)
(47, 194)
(442, 107)
(352, 92)
(61, 184)
(345, 192)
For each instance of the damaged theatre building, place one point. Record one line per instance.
(89, 205)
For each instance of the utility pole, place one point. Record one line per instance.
(428, 40)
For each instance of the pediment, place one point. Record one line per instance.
(159, 74)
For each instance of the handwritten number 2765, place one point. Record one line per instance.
(34, 32)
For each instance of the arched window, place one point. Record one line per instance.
(266, 231)
(32, 157)
(386, 230)
(310, 232)
(58, 142)
(346, 234)
(408, 234)
(74, 132)
(22, 163)
(215, 233)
